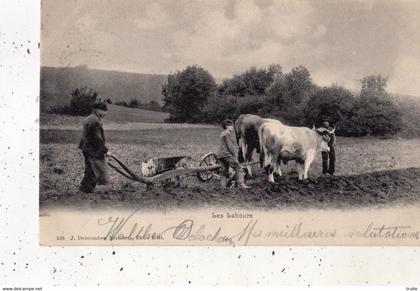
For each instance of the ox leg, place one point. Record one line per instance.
(270, 172)
(241, 153)
(262, 158)
(278, 169)
(240, 156)
(245, 154)
(248, 170)
(308, 161)
(248, 159)
(268, 166)
(274, 166)
(300, 170)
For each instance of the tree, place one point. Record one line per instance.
(329, 103)
(275, 71)
(235, 86)
(375, 112)
(253, 104)
(186, 92)
(219, 108)
(251, 82)
(333, 103)
(293, 87)
(290, 92)
(134, 103)
(373, 84)
(82, 100)
(122, 103)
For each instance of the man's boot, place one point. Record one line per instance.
(230, 179)
(226, 181)
(241, 180)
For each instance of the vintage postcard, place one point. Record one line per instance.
(234, 122)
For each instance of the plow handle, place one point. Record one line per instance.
(128, 173)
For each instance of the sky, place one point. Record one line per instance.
(340, 42)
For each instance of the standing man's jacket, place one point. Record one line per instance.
(93, 138)
(333, 139)
(328, 158)
(331, 143)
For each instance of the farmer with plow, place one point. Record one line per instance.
(94, 150)
(227, 156)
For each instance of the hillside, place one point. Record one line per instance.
(115, 114)
(125, 114)
(57, 84)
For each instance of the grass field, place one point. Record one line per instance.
(370, 171)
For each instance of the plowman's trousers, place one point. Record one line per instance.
(96, 173)
(232, 162)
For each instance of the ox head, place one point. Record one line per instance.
(325, 138)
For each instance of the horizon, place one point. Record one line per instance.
(218, 80)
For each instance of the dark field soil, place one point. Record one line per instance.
(369, 189)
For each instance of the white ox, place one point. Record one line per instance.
(280, 142)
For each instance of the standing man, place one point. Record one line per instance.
(328, 167)
(227, 156)
(94, 150)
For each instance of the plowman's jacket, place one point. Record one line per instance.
(226, 147)
(93, 138)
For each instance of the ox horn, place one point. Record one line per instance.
(313, 126)
(332, 131)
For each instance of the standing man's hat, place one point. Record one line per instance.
(326, 120)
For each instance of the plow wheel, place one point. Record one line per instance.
(179, 181)
(209, 159)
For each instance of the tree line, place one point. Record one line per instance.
(192, 95)
(83, 98)
(136, 103)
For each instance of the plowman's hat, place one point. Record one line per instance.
(227, 122)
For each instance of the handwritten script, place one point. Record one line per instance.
(245, 231)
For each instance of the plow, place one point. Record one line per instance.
(161, 170)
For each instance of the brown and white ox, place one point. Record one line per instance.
(280, 142)
(246, 130)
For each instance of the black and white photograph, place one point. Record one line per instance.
(257, 122)
(209, 143)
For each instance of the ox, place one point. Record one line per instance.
(279, 142)
(246, 130)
